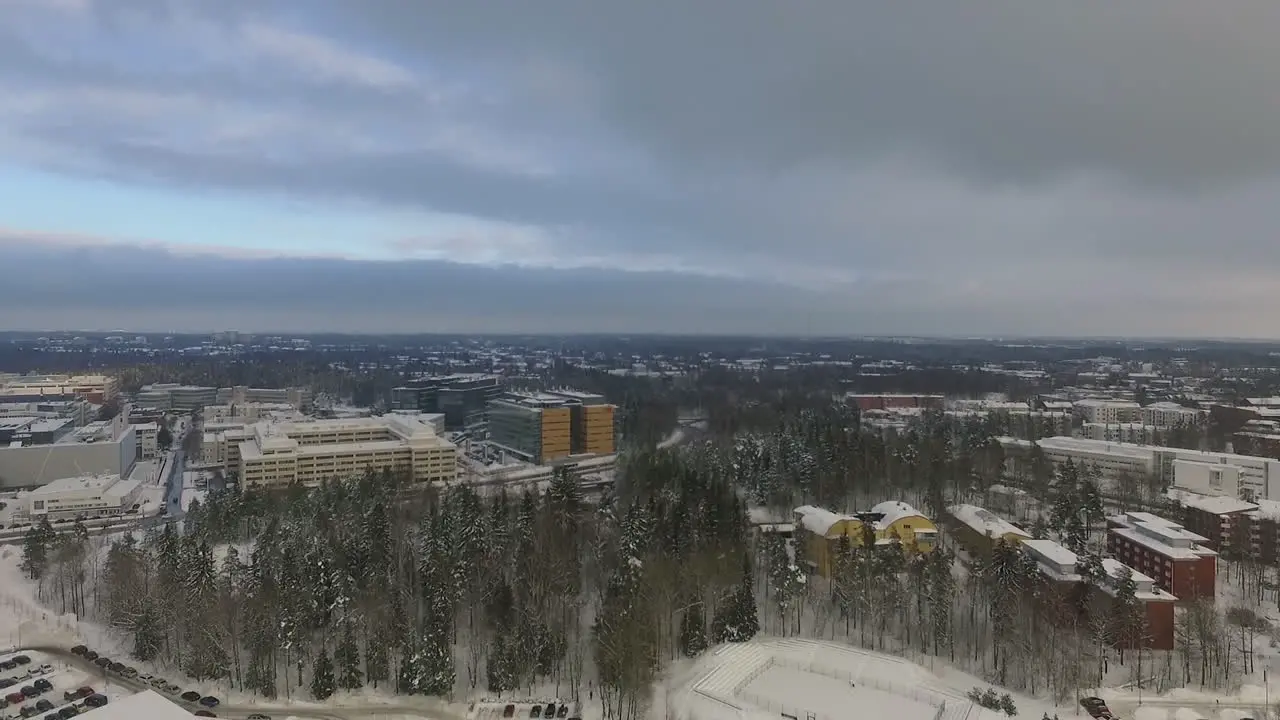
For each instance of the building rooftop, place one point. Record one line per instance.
(984, 522)
(1216, 504)
(82, 482)
(146, 705)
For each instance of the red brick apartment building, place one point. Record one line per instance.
(1066, 598)
(1235, 528)
(889, 401)
(1175, 558)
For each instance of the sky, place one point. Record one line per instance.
(831, 167)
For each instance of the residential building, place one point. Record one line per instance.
(299, 398)
(1171, 415)
(1111, 460)
(1155, 630)
(97, 389)
(1134, 433)
(283, 453)
(37, 458)
(891, 522)
(1221, 519)
(1062, 592)
(83, 496)
(78, 410)
(1177, 559)
(888, 401)
(978, 530)
(1107, 411)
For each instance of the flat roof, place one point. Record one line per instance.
(146, 705)
(985, 522)
(1216, 504)
(82, 482)
(1050, 550)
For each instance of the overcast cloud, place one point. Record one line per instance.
(837, 166)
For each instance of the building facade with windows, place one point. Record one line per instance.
(1175, 558)
(83, 497)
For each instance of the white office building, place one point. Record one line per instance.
(1109, 412)
(1135, 433)
(84, 497)
(103, 447)
(1171, 415)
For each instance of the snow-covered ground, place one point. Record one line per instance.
(802, 678)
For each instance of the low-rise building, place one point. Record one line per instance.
(1166, 415)
(1176, 559)
(176, 396)
(1107, 411)
(84, 497)
(298, 398)
(891, 522)
(888, 401)
(978, 530)
(1154, 627)
(1136, 433)
(97, 389)
(148, 444)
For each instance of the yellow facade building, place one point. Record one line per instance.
(892, 522)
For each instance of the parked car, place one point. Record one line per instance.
(46, 668)
(508, 711)
(549, 711)
(15, 698)
(21, 659)
(209, 701)
(259, 716)
(158, 683)
(90, 655)
(78, 693)
(29, 711)
(190, 696)
(146, 677)
(1095, 706)
(68, 712)
(43, 705)
(8, 665)
(42, 685)
(51, 716)
(7, 683)
(79, 650)
(172, 689)
(535, 712)
(563, 712)
(204, 713)
(103, 662)
(129, 672)
(96, 700)
(29, 691)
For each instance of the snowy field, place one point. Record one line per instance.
(799, 678)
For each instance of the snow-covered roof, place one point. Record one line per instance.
(148, 704)
(893, 511)
(1216, 504)
(984, 522)
(817, 520)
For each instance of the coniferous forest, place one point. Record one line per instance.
(455, 592)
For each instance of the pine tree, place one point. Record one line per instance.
(35, 549)
(693, 632)
(347, 655)
(736, 620)
(322, 684)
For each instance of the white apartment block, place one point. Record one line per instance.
(281, 453)
(94, 388)
(85, 496)
(1108, 412)
(1135, 433)
(1171, 415)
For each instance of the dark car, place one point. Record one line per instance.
(8, 665)
(51, 716)
(78, 693)
(508, 711)
(29, 691)
(209, 701)
(28, 712)
(90, 655)
(190, 696)
(96, 700)
(16, 698)
(129, 672)
(204, 713)
(1095, 706)
(549, 711)
(79, 650)
(21, 659)
(42, 685)
(68, 712)
(259, 716)
(44, 705)
(535, 712)
(563, 712)
(103, 662)
(7, 683)
(117, 667)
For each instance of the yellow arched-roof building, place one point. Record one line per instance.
(891, 522)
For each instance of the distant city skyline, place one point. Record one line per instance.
(996, 168)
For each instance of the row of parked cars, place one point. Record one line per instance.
(18, 669)
(540, 712)
(207, 702)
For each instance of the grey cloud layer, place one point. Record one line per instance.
(989, 166)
